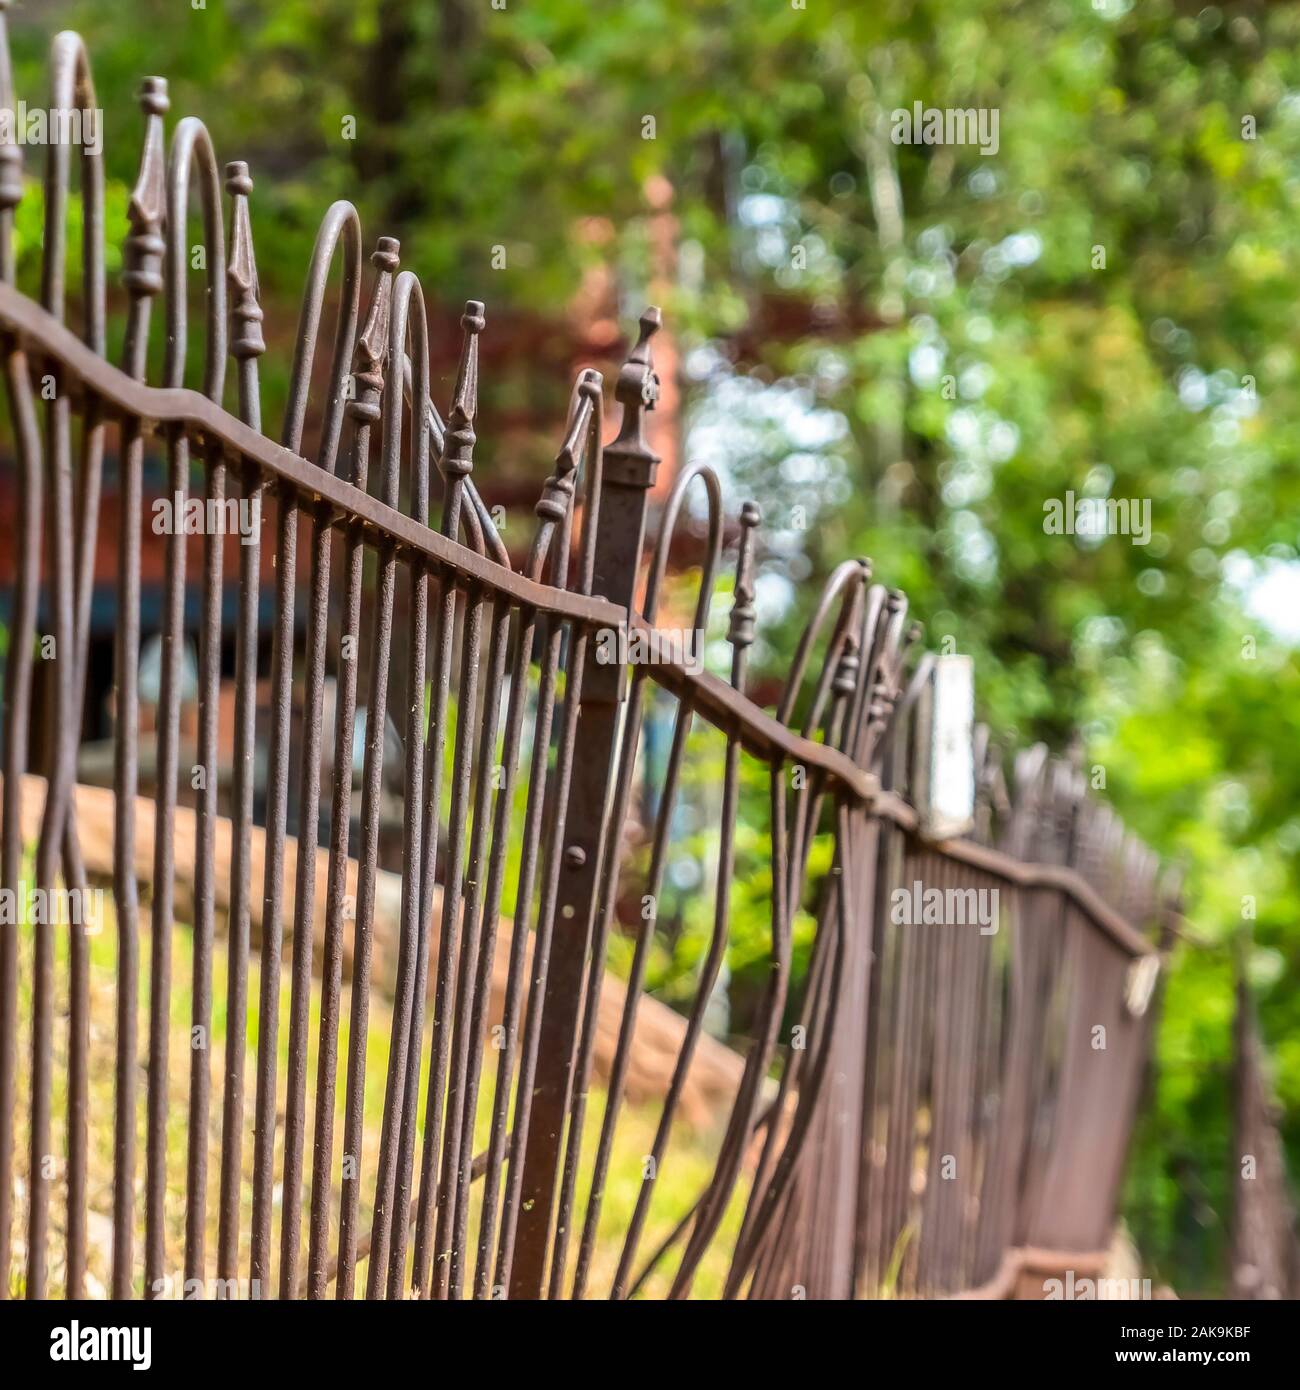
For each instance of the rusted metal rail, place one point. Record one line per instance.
(918, 1101)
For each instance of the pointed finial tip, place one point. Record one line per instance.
(652, 320)
(472, 320)
(387, 254)
(750, 515)
(153, 96)
(590, 383)
(238, 179)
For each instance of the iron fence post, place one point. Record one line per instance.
(628, 475)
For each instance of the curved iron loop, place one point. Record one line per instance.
(190, 143)
(877, 717)
(72, 92)
(72, 104)
(408, 296)
(341, 226)
(855, 573)
(667, 530)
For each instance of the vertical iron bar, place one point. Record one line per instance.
(629, 472)
(398, 1097)
(363, 409)
(246, 346)
(340, 224)
(205, 819)
(143, 256)
(457, 464)
(372, 384)
(190, 141)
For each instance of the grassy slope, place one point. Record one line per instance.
(684, 1172)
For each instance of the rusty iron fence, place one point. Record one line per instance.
(921, 1109)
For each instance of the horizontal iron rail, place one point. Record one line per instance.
(1024, 875)
(761, 733)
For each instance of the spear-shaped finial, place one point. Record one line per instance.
(740, 630)
(246, 338)
(143, 252)
(557, 491)
(11, 157)
(846, 670)
(629, 459)
(371, 352)
(458, 447)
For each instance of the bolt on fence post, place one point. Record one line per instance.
(629, 472)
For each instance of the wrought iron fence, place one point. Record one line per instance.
(918, 1109)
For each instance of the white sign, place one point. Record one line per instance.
(945, 762)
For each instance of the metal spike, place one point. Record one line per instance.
(740, 632)
(557, 491)
(246, 338)
(458, 448)
(629, 459)
(371, 353)
(143, 252)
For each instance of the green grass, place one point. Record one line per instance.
(683, 1174)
